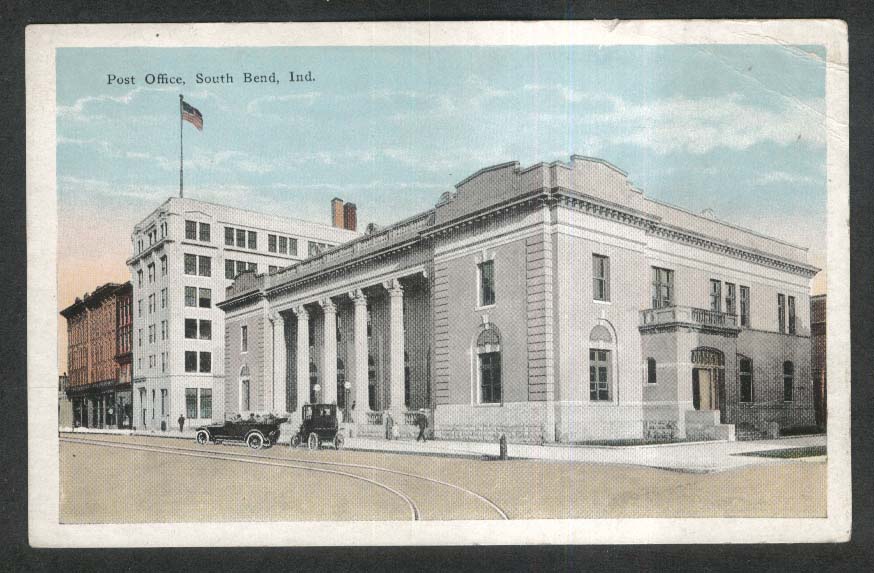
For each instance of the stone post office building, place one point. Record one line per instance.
(555, 302)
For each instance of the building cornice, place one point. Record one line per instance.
(159, 245)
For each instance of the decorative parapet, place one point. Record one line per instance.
(671, 317)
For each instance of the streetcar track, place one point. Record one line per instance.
(257, 460)
(464, 490)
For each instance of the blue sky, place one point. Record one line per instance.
(738, 129)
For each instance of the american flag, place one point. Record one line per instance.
(192, 115)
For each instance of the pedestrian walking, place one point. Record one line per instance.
(422, 421)
(181, 422)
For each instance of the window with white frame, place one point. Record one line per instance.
(488, 351)
(601, 352)
(601, 277)
(245, 397)
(486, 281)
(244, 338)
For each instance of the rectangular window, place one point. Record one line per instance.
(788, 380)
(190, 361)
(487, 283)
(190, 328)
(745, 306)
(205, 330)
(205, 361)
(163, 362)
(662, 287)
(229, 269)
(241, 266)
(204, 232)
(271, 268)
(190, 296)
(252, 267)
(151, 269)
(241, 238)
(140, 308)
(715, 295)
(781, 312)
(292, 247)
(791, 300)
(163, 298)
(730, 299)
(205, 266)
(204, 298)
(253, 239)
(163, 330)
(191, 230)
(139, 337)
(244, 338)
(206, 402)
(151, 303)
(283, 245)
(190, 264)
(601, 277)
(151, 333)
(190, 403)
(271, 243)
(163, 401)
(745, 375)
(244, 395)
(164, 266)
(229, 237)
(599, 375)
(140, 278)
(651, 372)
(490, 377)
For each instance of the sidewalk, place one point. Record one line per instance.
(690, 457)
(698, 457)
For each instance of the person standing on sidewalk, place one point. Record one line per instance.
(389, 424)
(181, 422)
(422, 422)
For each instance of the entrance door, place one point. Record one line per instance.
(704, 396)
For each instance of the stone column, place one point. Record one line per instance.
(329, 356)
(360, 377)
(396, 349)
(280, 357)
(303, 358)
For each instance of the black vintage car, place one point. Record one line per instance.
(256, 433)
(319, 425)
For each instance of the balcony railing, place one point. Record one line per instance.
(687, 315)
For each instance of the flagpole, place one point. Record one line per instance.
(180, 146)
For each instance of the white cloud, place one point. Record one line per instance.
(782, 177)
(76, 111)
(255, 106)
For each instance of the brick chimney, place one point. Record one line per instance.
(350, 217)
(337, 213)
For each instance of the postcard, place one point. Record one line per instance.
(438, 283)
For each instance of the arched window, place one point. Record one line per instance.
(314, 379)
(651, 371)
(406, 378)
(341, 384)
(788, 380)
(488, 350)
(745, 378)
(245, 390)
(601, 356)
(371, 382)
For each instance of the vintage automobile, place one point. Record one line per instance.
(319, 425)
(255, 433)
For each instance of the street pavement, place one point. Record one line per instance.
(696, 457)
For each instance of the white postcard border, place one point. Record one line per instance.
(42, 316)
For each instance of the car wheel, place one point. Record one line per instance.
(255, 441)
(339, 440)
(202, 437)
(295, 441)
(313, 441)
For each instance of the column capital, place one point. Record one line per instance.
(328, 305)
(274, 316)
(301, 312)
(393, 287)
(358, 296)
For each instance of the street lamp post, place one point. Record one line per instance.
(347, 386)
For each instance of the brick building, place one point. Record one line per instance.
(98, 357)
(551, 303)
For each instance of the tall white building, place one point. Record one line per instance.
(186, 253)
